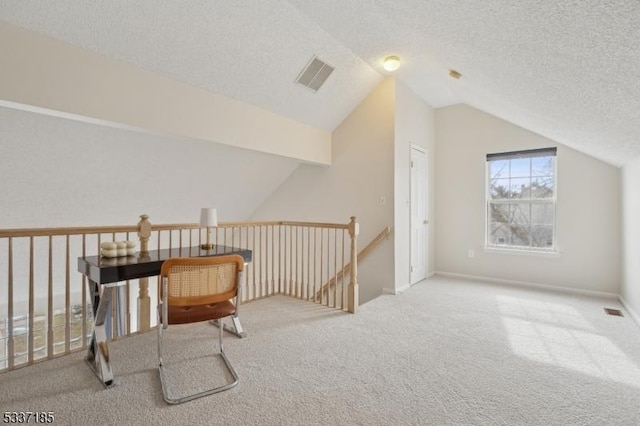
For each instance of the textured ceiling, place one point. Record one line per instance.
(250, 50)
(565, 69)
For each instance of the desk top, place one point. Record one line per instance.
(103, 270)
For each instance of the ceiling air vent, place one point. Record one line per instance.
(314, 74)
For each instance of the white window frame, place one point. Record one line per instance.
(513, 249)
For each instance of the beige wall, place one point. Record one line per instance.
(630, 288)
(57, 172)
(587, 223)
(414, 124)
(361, 172)
(38, 71)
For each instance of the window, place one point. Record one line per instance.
(521, 200)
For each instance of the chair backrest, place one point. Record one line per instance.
(194, 281)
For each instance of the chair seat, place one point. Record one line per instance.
(184, 315)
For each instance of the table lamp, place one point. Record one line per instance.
(208, 219)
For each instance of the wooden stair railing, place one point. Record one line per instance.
(326, 287)
(45, 308)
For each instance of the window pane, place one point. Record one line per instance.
(498, 234)
(519, 235)
(499, 189)
(499, 169)
(542, 236)
(542, 214)
(520, 214)
(542, 187)
(519, 226)
(520, 167)
(499, 214)
(509, 224)
(542, 166)
(520, 188)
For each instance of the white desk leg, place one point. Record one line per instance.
(98, 353)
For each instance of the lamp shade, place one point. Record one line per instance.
(208, 217)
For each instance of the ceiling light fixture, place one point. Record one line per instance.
(391, 63)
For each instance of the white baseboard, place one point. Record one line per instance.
(630, 311)
(396, 290)
(530, 285)
(404, 287)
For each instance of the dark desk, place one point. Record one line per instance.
(108, 273)
(103, 270)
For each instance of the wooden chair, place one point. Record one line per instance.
(194, 290)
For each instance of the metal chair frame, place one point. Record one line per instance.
(163, 317)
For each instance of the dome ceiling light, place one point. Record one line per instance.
(391, 63)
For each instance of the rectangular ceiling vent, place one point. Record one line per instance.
(315, 74)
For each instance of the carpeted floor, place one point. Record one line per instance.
(446, 352)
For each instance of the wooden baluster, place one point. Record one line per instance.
(294, 260)
(253, 264)
(321, 264)
(280, 268)
(144, 301)
(127, 330)
(335, 267)
(31, 344)
(342, 286)
(11, 348)
(246, 275)
(261, 282)
(328, 266)
(273, 261)
(353, 284)
(50, 317)
(302, 287)
(67, 297)
(299, 270)
(84, 295)
(287, 260)
(315, 255)
(308, 262)
(266, 260)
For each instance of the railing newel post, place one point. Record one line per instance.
(144, 233)
(144, 301)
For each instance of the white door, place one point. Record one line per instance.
(419, 220)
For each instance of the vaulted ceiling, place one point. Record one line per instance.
(567, 70)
